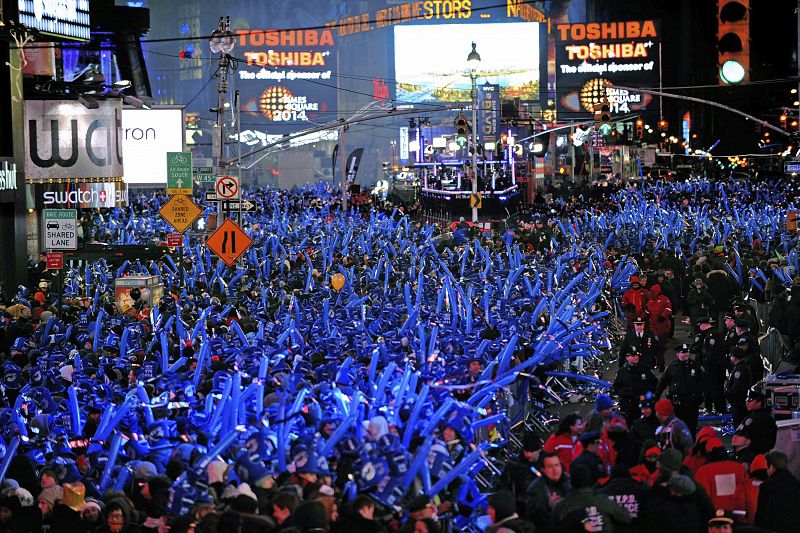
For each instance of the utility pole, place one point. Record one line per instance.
(221, 42)
(343, 165)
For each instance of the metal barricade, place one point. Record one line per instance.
(772, 348)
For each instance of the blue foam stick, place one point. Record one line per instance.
(373, 365)
(433, 339)
(11, 452)
(105, 478)
(487, 373)
(400, 395)
(387, 373)
(114, 421)
(500, 382)
(592, 380)
(233, 405)
(443, 409)
(488, 421)
(412, 420)
(97, 329)
(201, 361)
(421, 355)
(340, 432)
(220, 409)
(505, 356)
(47, 329)
(239, 333)
(420, 457)
(298, 402)
(456, 472)
(164, 353)
(75, 415)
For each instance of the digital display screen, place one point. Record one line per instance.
(430, 61)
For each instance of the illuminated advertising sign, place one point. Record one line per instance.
(515, 69)
(435, 10)
(64, 139)
(147, 136)
(64, 19)
(590, 57)
(83, 195)
(488, 112)
(286, 77)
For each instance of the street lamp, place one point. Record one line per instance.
(473, 59)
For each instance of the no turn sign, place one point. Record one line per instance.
(227, 188)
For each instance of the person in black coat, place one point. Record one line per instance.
(633, 380)
(518, 475)
(591, 446)
(761, 422)
(644, 427)
(738, 384)
(623, 490)
(642, 341)
(778, 496)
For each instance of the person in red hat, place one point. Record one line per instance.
(673, 432)
(747, 491)
(721, 476)
(634, 301)
(659, 309)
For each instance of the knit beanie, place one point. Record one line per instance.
(664, 408)
(671, 459)
(504, 503)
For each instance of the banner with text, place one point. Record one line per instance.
(590, 57)
(488, 112)
(64, 139)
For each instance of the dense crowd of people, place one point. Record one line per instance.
(355, 370)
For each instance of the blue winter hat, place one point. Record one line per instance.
(603, 402)
(249, 469)
(12, 376)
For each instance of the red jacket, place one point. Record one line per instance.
(565, 447)
(659, 310)
(720, 480)
(748, 498)
(638, 298)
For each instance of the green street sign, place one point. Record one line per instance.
(179, 173)
(204, 174)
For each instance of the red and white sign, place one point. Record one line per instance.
(174, 240)
(55, 261)
(227, 188)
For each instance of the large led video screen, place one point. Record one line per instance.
(430, 61)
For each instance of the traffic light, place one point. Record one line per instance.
(602, 117)
(639, 129)
(663, 125)
(461, 130)
(733, 41)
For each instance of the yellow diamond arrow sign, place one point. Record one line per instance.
(180, 212)
(475, 200)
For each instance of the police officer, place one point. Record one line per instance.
(761, 422)
(645, 342)
(710, 344)
(737, 386)
(746, 313)
(685, 380)
(633, 380)
(748, 344)
(729, 330)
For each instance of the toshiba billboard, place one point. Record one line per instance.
(592, 56)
